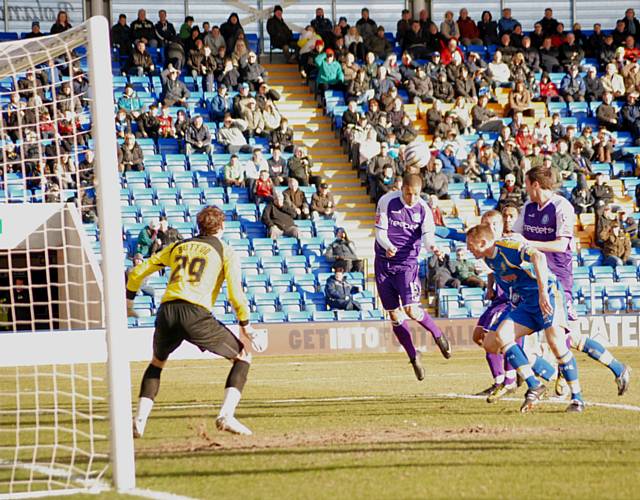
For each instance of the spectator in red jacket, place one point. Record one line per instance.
(263, 187)
(447, 52)
(548, 89)
(469, 32)
(631, 52)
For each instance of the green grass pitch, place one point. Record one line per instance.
(361, 426)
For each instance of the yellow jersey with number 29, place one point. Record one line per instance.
(198, 266)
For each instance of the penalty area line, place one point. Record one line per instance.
(613, 406)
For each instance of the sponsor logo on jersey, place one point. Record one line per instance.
(527, 228)
(404, 225)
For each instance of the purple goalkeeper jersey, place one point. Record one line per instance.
(554, 220)
(406, 228)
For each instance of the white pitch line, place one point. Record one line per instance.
(155, 495)
(614, 406)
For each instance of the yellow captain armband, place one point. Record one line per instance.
(509, 243)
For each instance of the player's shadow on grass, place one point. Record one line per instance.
(466, 463)
(433, 445)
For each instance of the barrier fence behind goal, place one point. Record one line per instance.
(65, 402)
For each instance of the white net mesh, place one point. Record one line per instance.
(56, 438)
(53, 406)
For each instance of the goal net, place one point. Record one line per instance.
(65, 402)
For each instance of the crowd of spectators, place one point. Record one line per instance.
(478, 85)
(484, 91)
(240, 102)
(44, 133)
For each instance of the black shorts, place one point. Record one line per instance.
(179, 320)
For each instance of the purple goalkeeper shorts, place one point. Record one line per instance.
(490, 318)
(397, 284)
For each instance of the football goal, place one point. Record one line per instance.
(65, 392)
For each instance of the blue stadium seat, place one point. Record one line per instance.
(142, 196)
(213, 195)
(312, 246)
(616, 299)
(446, 296)
(191, 194)
(272, 262)
(242, 247)
(288, 246)
(167, 195)
(289, 298)
(590, 256)
(280, 282)
(323, 316)
(626, 272)
(150, 212)
(183, 179)
(634, 297)
(602, 273)
(186, 229)
(262, 247)
(475, 308)
(233, 229)
(227, 319)
(456, 311)
(257, 283)
(146, 322)
(299, 316)
(207, 179)
(296, 264)
(372, 315)
(273, 317)
(250, 265)
(348, 315)
(136, 179)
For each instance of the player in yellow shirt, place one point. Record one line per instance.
(199, 266)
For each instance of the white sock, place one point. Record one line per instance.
(230, 402)
(145, 405)
(498, 379)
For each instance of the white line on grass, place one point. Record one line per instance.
(155, 495)
(613, 406)
(185, 406)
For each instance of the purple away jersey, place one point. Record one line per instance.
(554, 220)
(404, 228)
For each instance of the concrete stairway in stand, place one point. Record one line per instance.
(312, 129)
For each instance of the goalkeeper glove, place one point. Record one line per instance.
(259, 338)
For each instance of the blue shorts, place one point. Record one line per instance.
(526, 310)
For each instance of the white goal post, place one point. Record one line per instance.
(53, 403)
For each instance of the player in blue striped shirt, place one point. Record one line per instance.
(538, 304)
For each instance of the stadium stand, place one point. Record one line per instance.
(284, 279)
